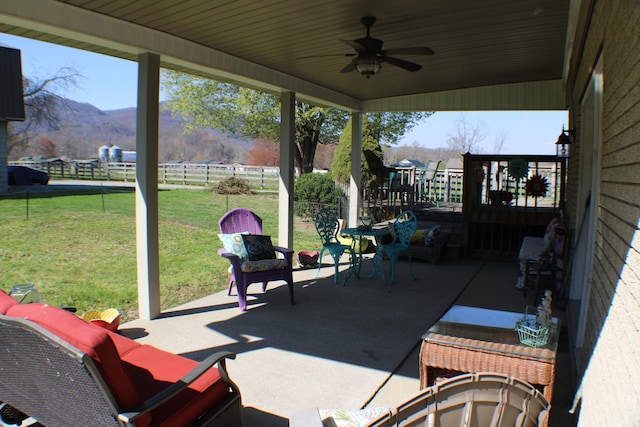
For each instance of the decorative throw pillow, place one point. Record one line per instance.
(431, 236)
(233, 244)
(258, 247)
(419, 236)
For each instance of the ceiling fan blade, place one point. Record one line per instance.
(351, 66)
(359, 47)
(327, 55)
(406, 65)
(409, 51)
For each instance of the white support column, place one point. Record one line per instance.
(355, 193)
(4, 150)
(147, 185)
(287, 145)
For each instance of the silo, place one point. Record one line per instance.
(115, 154)
(103, 153)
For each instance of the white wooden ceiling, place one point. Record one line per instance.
(479, 45)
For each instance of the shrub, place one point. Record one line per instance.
(233, 185)
(313, 190)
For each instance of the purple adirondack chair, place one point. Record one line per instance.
(243, 220)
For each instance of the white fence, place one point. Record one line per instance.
(184, 173)
(446, 186)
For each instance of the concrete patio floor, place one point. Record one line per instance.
(288, 358)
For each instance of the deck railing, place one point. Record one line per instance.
(507, 198)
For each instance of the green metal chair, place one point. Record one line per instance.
(328, 226)
(402, 231)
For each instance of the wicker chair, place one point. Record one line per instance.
(471, 400)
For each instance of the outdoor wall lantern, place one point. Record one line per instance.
(564, 140)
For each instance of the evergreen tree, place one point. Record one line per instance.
(373, 168)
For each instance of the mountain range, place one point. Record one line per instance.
(83, 128)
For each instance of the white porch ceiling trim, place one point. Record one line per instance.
(541, 95)
(128, 40)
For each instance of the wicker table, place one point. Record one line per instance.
(469, 339)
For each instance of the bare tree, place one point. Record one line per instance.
(43, 105)
(502, 135)
(466, 137)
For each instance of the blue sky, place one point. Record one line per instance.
(111, 83)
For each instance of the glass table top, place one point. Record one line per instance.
(485, 329)
(372, 232)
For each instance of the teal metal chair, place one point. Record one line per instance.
(328, 226)
(402, 231)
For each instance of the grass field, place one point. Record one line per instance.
(80, 250)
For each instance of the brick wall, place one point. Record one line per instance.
(610, 359)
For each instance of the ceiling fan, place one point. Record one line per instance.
(369, 54)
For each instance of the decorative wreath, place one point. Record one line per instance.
(478, 173)
(518, 168)
(536, 186)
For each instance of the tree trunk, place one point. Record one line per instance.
(309, 136)
(307, 152)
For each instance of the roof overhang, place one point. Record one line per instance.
(465, 74)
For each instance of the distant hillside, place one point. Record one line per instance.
(83, 128)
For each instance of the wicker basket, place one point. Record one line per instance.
(530, 332)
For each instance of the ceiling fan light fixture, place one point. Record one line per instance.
(368, 65)
(369, 56)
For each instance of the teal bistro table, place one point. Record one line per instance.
(358, 234)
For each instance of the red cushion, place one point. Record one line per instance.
(122, 343)
(6, 302)
(153, 370)
(90, 339)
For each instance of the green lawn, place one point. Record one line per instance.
(80, 250)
